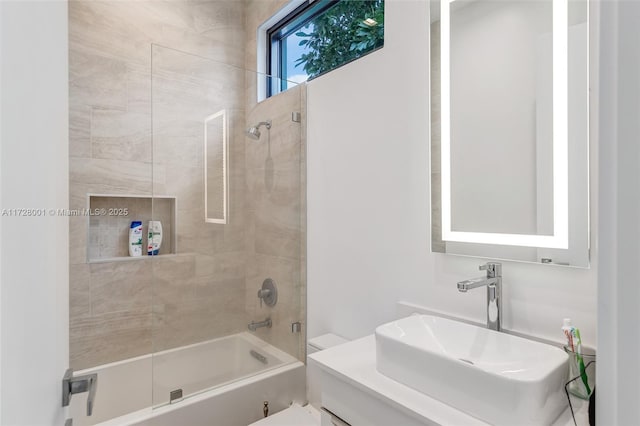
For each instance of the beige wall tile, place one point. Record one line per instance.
(217, 311)
(274, 199)
(287, 276)
(79, 292)
(173, 280)
(121, 135)
(187, 184)
(277, 241)
(108, 338)
(119, 176)
(121, 287)
(117, 30)
(78, 237)
(174, 268)
(138, 88)
(178, 142)
(97, 81)
(220, 265)
(80, 130)
(209, 289)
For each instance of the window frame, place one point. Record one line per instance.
(291, 23)
(274, 36)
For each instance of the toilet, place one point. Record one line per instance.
(308, 415)
(314, 345)
(296, 415)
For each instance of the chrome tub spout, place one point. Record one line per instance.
(253, 326)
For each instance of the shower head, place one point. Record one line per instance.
(254, 131)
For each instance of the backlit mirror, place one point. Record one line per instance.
(510, 129)
(216, 167)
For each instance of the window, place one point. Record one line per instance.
(320, 36)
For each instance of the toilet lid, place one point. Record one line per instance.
(326, 341)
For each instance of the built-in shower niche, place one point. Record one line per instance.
(110, 218)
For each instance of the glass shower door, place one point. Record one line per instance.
(230, 210)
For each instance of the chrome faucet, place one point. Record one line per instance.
(253, 326)
(493, 281)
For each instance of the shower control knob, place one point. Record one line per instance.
(268, 293)
(263, 295)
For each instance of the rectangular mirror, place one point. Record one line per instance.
(510, 129)
(216, 141)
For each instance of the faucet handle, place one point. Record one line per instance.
(268, 293)
(493, 269)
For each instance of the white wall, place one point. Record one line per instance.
(34, 174)
(619, 293)
(1, 143)
(368, 205)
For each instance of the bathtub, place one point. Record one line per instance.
(224, 382)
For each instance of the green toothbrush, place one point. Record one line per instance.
(583, 372)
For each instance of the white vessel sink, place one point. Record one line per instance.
(496, 377)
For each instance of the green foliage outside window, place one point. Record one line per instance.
(341, 34)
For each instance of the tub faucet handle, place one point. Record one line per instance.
(268, 293)
(72, 385)
(263, 294)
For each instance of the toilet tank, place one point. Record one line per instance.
(316, 344)
(325, 341)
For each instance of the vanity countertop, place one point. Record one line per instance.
(355, 363)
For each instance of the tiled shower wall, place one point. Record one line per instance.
(197, 294)
(200, 292)
(276, 199)
(276, 207)
(120, 309)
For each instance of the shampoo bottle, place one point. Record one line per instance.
(135, 239)
(154, 240)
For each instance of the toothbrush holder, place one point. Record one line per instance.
(582, 375)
